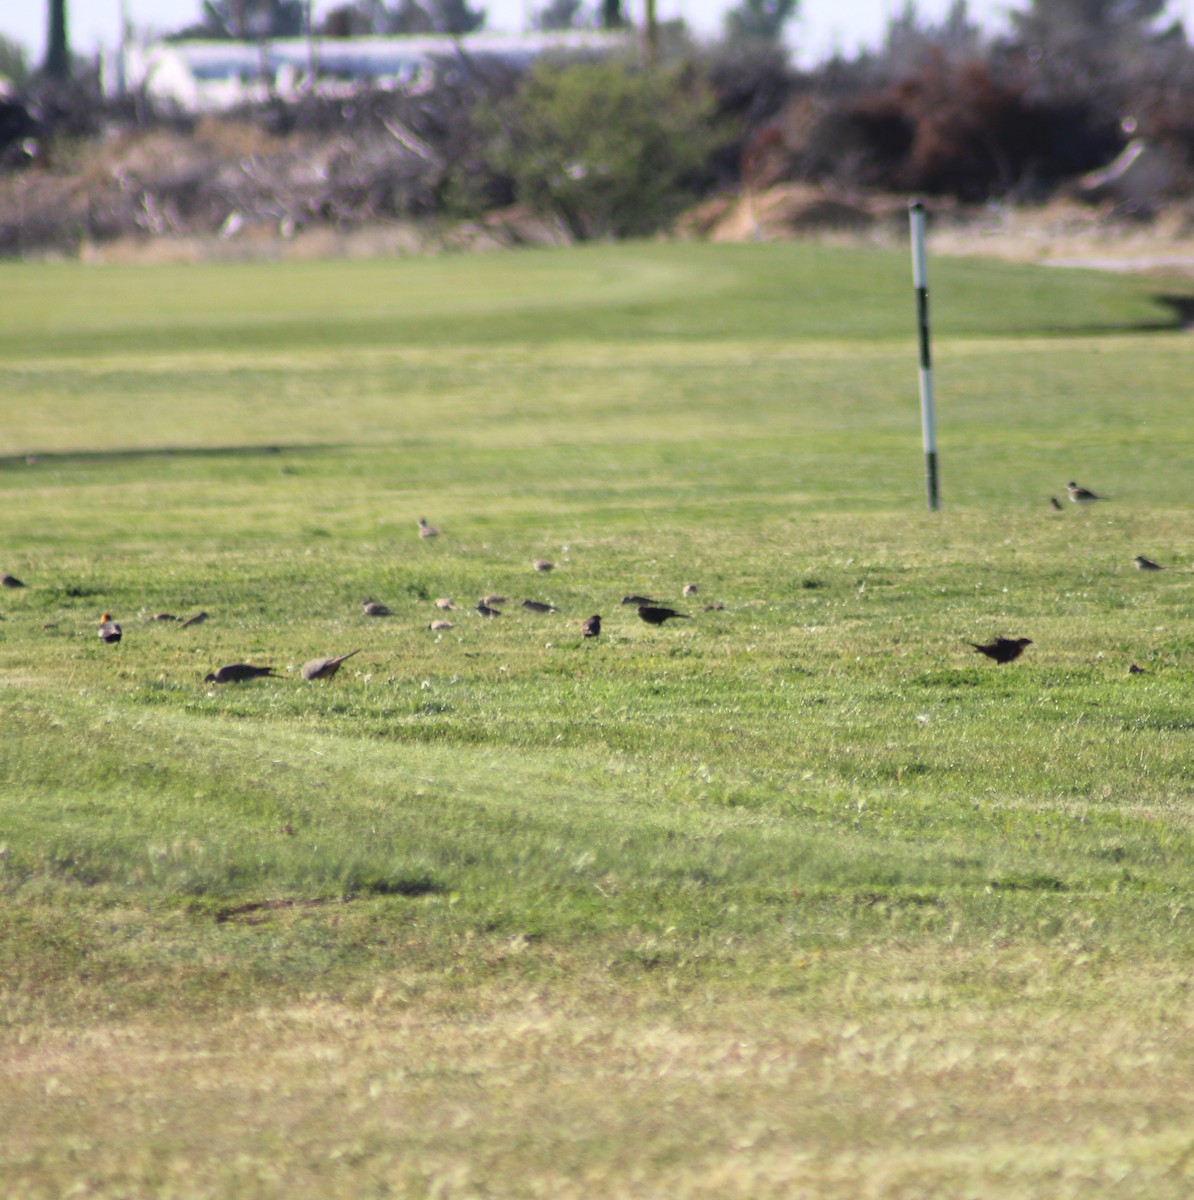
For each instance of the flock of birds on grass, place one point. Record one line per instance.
(653, 612)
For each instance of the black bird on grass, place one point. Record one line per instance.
(1003, 650)
(638, 600)
(1146, 564)
(10, 581)
(1055, 504)
(238, 673)
(591, 626)
(538, 606)
(487, 610)
(655, 614)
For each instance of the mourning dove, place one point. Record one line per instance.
(324, 668)
(238, 673)
(1081, 495)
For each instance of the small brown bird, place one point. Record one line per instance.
(10, 581)
(655, 614)
(324, 668)
(537, 606)
(374, 608)
(486, 610)
(541, 564)
(1081, 495)
(1146, 564)
(238, 673)
(638, 600)
(1003, 650)
(1055, 504)
(426, 530)
(197, 619)
(109, 630)
(492, 600)
(1134, 669)
(439, 626)
(690, 589)
(591, 626)
(163, 616)
(444, 603)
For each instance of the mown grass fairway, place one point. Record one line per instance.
(800, 897)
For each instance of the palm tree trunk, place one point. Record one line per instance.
(58, 46)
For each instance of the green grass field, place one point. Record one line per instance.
(798, 898)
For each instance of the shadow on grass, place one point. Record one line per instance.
(81, 457)
(1183, 311)
(1180, 320)
(255, 911)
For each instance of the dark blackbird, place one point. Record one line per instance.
(638, 600)
(10, 581)
(238, 673)
(1003, 650)
(1146, 564)
(486, 610)
(655, 614)
(1055, 504)
(537, 606)
(591, 626)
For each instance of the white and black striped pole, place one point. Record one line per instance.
(928, 420)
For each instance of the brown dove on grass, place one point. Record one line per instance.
(325, 668)
(239, 673)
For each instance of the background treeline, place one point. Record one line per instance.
(618, 145)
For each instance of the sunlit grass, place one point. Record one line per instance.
(800, 895)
